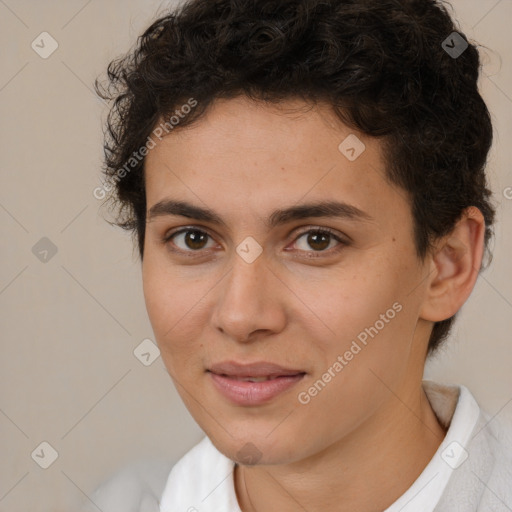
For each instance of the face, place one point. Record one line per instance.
(259, 275)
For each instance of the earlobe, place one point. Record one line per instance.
(455, 264)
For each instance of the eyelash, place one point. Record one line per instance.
(316, 230)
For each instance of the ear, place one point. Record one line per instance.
(454, 267)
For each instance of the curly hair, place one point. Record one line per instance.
(380, 65)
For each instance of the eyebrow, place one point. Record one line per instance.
(278, 217)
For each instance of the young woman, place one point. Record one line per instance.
(306, 183)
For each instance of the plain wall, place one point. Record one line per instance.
(68, 374)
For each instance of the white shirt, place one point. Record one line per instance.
(462, 476)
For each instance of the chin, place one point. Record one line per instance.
(252, 447)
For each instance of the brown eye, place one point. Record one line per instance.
(189, 240)
(319, 240)
(195, 239)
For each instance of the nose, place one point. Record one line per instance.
(250, 301)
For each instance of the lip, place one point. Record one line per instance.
(246, 393)
(253, 393)
(257, 369)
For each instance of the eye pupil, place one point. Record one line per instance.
(314, 239)
(195, 239)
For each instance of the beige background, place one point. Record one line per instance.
(68, 374)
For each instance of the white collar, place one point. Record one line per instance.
(457, 404)
(201, 481)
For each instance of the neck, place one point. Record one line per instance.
(353, 473)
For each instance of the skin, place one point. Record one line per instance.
(300, 305)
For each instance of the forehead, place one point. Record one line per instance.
(290, 130)
(247, 155)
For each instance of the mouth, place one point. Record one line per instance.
(255, 383)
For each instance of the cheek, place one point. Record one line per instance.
(366, 312)
(347, 302)
(365, 351)
(174, 306)
(164, 303)
(156, 295)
